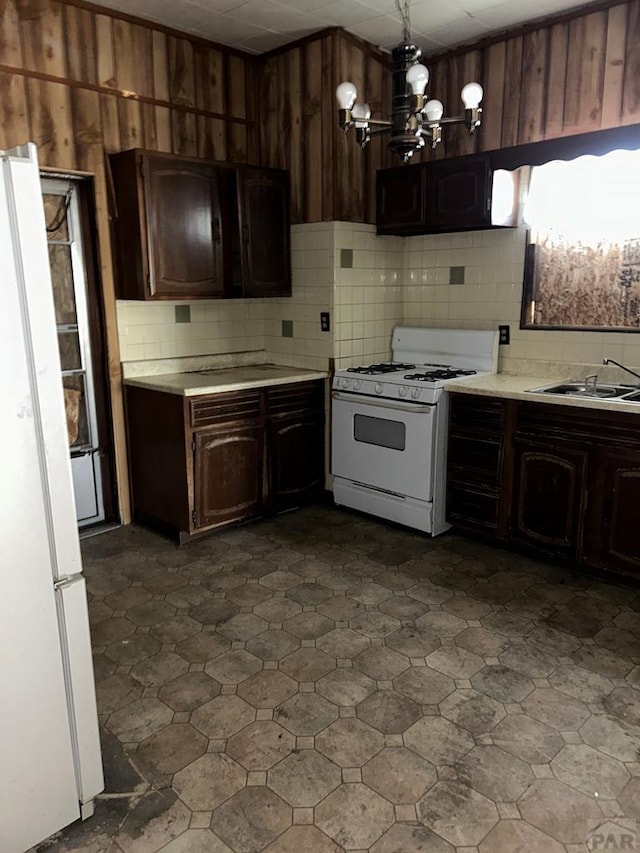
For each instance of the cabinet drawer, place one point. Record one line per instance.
(475, 454)
(465, 505)
(225, 408)
(301, 397)
(473, 414)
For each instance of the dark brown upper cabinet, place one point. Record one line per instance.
(191, 229)
(459, 194)
(428, 198)
(264, 222)
(401, 199)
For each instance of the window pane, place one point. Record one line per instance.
(69, 346)
(583, 268)
(62, 280)
(55, 216)
(379, 431)
(75, 407)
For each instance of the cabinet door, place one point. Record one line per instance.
(264, 221)
(184, 232)
(297, 459)
(458, 194)
(400, 207)
(228, 467)
(612, 534)
(549, 497)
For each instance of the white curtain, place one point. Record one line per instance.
(587, 201)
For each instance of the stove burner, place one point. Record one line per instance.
(435, 375)
(383, 367)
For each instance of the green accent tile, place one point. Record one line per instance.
(183, 313)
(346, 259)
(456, 275)
(287, 328)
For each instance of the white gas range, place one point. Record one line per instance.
(390, 424)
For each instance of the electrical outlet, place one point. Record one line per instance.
(325, 322)
(504, 335)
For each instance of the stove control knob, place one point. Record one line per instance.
(343, 383)
(356, 384)
(415, 393)
(403, 391)
(379, 388)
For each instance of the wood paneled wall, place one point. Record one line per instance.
(576, 74)
(73, 77)
(81, 82)
(332, 179)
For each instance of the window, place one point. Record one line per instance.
(582, 266)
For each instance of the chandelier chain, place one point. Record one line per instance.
(403, 9)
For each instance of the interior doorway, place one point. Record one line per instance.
(68, 207)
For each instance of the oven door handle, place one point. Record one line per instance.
(383, 403)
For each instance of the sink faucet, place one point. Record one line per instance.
(591, 384)
(617, 364)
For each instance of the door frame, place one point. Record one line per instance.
(98, 343)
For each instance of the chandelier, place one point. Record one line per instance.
(414, 119)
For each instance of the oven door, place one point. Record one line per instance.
(386, 444)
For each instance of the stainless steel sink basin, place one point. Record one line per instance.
(626, 393)
(580, 389)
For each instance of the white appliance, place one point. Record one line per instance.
(50, 765)
(390, 424)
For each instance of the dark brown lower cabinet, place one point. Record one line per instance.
(203, 462)
(557, 480)
(228, 474)
(613, 527)
(297, 469)
(549, 497)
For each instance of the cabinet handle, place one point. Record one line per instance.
(216, 230)
(245, 233)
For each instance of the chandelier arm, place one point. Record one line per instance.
(446, 120)
(381, 131)
(380, 122)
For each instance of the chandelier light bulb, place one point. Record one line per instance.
(417, 78)
(471, 95)
(346, 93)
(361, 113)
(433, 110)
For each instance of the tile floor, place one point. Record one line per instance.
(323, 682)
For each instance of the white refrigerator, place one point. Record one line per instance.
(50, 765)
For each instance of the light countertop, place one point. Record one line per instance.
(511, 387)
(216, 381)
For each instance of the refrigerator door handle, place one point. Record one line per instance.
(64, 581)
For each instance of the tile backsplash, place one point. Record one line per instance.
(368, 285)
(491, 295)
(148, 330)
(304, 344)
(367, 293)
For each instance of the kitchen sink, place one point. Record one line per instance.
(624, 393)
